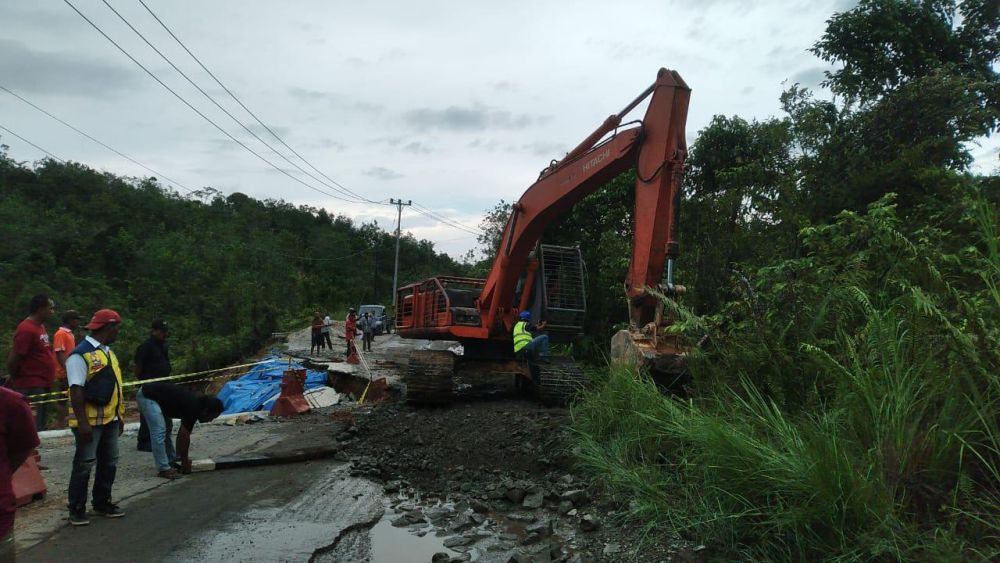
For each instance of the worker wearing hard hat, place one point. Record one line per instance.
(525, 343)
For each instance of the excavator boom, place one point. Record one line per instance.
(656, 148)
(484, 310)
(527, 275)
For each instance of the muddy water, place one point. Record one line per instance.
(392, 545)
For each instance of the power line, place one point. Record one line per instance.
(110, 148)
(252, 114)
(443, 222)
(261, 122)
(216, 103)
(196, 110)
(336, 185)
(438, 219)
(449, 221)
(32, 144)
(338, 258)
(466, 237)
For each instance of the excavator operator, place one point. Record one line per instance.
(525, 344)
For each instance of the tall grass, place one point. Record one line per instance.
(892, 455)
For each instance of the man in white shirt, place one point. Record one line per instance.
(327, 325)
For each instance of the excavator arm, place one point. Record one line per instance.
(656, 147)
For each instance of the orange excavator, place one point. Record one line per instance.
(548, 280)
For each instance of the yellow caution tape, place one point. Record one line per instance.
(62, 395)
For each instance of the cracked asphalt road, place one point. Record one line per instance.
(276, 513)
(281, 512)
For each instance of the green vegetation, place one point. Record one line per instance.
(831, 421)
(843, 266)
(226, 271)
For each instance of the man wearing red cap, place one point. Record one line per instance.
(96, 411)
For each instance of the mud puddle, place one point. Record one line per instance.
(391, 544)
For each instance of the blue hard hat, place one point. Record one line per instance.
(525, 315)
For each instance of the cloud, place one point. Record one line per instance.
(620, 51)
(393, 54)
(811, 77)
(263, 133)
(329, 144)
(541, 148)
(382, 173)
(505, 86)
(391, 141)
(844, 5)
(417, 147)
(404, 143)
(475, 118)
(66, 72)
(333, 99)
(490, 145)
(785, 52)
(222, 145)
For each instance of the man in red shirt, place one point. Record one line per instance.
(17, 439)
(31, 365)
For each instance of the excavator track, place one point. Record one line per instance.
(560, 380)
(429, 377)
(482, 379)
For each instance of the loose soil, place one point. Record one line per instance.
(507, 460)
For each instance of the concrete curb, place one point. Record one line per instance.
(262, 458)
(134, 426)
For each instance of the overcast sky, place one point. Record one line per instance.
(454, 105)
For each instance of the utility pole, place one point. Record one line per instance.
(395, 271)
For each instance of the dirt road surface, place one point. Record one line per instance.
(488, 481)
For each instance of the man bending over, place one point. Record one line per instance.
(160, 401)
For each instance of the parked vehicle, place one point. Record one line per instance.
(381, 323)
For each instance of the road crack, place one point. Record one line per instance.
(364, 525)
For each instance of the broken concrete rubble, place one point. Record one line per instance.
(456, 541)
(576, 496)
(533, 500)
(542, 528)
(589, 523)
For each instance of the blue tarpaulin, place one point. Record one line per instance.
(260, 387)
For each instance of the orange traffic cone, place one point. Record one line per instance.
(28, 482)
(291, 401)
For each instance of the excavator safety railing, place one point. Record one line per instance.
(564, 292)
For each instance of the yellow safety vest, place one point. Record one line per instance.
(96, 414)
(521, 335)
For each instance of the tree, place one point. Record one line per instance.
(225, 270)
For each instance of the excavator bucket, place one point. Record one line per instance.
(662, 356)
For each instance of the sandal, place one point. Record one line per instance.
(170, 474)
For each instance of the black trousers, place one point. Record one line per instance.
(144, 443)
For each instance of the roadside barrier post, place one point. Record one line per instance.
(27, 481)
(291, 401)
